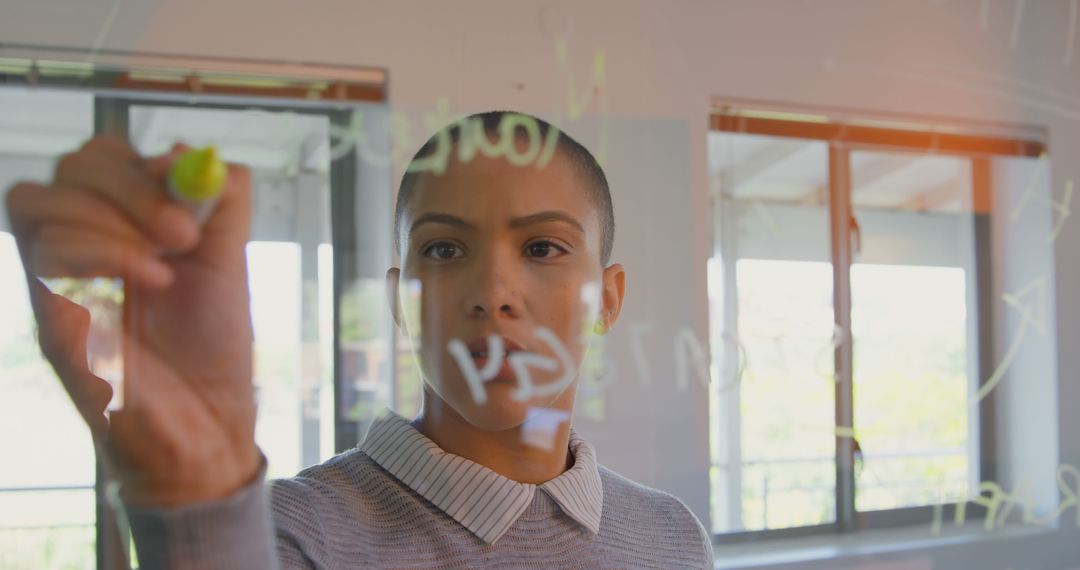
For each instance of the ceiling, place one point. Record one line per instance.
(795, 171)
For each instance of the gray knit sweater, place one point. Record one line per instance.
(398, 501)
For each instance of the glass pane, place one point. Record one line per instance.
(914, 302)
(46, 499)
(770, 292)
(289, 263)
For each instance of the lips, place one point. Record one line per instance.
(478, 349)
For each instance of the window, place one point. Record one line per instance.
(851, 290)
(913, 328)
(774, 465)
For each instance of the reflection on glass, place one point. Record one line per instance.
(770, 291)
(913, 306)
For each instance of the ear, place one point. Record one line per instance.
(393, 277)
(614, 289)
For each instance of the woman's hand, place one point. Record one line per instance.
(186, 430)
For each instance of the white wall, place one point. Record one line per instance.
(664, 63)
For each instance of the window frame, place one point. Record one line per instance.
(845, 132)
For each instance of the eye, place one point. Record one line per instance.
(544, 249)
(443, 250)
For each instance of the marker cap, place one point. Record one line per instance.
(196, 180)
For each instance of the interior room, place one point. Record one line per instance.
(843, 230)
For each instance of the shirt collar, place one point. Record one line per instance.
(478, 498)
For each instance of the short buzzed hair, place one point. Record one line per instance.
(492, 122)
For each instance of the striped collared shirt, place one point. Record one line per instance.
(478, 498)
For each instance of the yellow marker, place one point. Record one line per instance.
(196, 180)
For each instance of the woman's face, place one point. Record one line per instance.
(496, 254)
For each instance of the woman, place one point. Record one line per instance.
(504, 227)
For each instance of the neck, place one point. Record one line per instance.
(503, 451)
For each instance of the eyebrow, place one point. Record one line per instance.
(440, 218)
(532, 219)
(545, 217)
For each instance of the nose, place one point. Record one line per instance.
(493, 290)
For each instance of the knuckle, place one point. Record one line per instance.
(18, 205)
(101, 391)
(15, 197)
(67, 321)
(78, 316)
(95, 141)
(170, 452)
(104, 143)
(68, 163)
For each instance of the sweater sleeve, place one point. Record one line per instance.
(237, 532)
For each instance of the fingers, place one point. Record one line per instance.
(106, 186)
(187, 347)
(117, 176)
(63, 327)
(65, 250)
(106, 214)
(33, 206)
